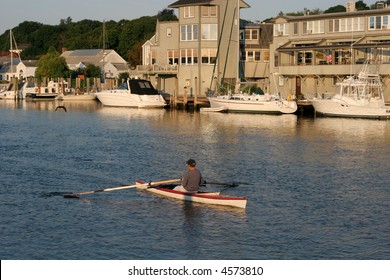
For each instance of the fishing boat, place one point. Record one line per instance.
(252, 103)
(133, 93)
(213, 198)
(358, 96)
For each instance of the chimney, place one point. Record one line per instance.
(351, 6)
(381, 5)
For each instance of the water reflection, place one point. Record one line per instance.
(51, 105)
(131, 113)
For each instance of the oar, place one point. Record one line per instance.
(77, 195)
(233, 185)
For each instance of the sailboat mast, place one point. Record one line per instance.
(104, 49)
(11, 51)
(238, 41)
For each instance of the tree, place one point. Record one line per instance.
(335, 9)
(361, 6)
(167, 15)
(93, 71)
(134, 56)
(51, 65)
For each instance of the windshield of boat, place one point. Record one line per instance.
(142, 87)
(123, 86)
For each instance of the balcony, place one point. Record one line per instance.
(157, 69)
(328, 69)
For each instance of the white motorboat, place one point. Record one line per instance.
(357, 97)
(9, 92)
(133, 93)
(252, 103)
(12, 93)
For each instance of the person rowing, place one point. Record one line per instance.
(192, 178)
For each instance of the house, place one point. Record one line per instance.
(109, 60)
(255, 40)
(198, 52)
(21, 69)
(311, 53)
(26, 68)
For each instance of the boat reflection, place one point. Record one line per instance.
(50, 105)
(235, 124)
(347, 129)
(131, 113)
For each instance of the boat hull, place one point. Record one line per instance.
(8, 95)
(201, 197)
(254, 106)
(342, 108)
(122, 98)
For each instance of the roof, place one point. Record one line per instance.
(182, 3)
(92, 52)
(30, 63)
(91, 56)
(334, 15)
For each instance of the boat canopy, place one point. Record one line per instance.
(142, 87)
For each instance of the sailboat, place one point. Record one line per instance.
(12, 92)
(358, 96)
(251, 101)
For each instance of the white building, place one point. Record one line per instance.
(109, 60)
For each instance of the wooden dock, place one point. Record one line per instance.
(186, 102)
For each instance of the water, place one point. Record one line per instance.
(317, 188)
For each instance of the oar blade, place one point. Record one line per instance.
(72, 195)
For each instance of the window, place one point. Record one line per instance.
(189, 32)
(266, 55)
(209, 56)
(209, 31)
(209, 11)
(313, 27)
(379, 22)
(189, 12)
(251, 34)
(305, 58)
(346, 24)
(169, 31)
(281, 29)
(153, 55)
(296, 30)
(251, 56)
(173, 57)
(189, 57)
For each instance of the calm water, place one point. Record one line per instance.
(316, 188)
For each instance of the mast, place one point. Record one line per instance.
(11, 51)
(238, 41)
(12, 42)
(104, 50)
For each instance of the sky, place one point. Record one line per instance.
(52, 11)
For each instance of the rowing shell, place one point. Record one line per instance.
(214, 198)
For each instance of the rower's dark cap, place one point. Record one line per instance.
(191, 162)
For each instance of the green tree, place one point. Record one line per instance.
(335, 9)
(93, 71)
(361, 6)
(167, 15)
(123, 76)
(134, 56)
(51, 65)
